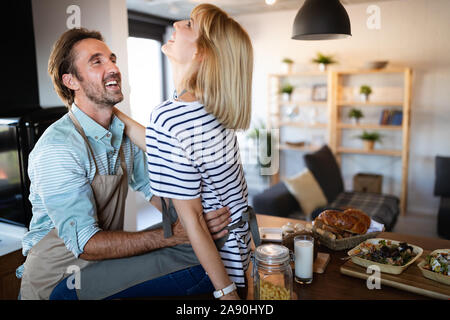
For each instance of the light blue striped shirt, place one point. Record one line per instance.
(61, 171)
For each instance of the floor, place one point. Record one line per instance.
(417, 224)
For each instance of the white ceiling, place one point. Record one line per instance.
(180, 9)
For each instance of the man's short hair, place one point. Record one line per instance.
(62, 60)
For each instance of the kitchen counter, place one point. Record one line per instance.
(10, 238)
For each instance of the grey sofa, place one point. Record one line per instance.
(277, 201)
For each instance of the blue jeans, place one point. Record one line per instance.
(188, 281)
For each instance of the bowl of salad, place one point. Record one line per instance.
(389, 255)
(435, 266)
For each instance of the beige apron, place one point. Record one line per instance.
(48, 260)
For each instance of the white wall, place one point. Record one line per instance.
(413, 33)
(111, 19)
(50, 21)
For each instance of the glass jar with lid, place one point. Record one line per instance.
(272, 273)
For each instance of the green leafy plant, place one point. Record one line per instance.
(365, 89)
(257, 132)
(321, 58)
(287, 60)
(370, 136)
(355, 113)
(287, 88)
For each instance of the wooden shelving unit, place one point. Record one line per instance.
(300, 124)
(302, 148)
(334, 106)
(338, 126)
(393, 153)
(368, 126)
(370, 103)
(276, 103)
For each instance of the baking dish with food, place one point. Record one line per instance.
(440, 266)
(389, 255)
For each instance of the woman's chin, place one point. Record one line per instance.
(164, 48)
(166, 51)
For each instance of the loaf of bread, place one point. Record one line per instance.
(360, 215)
(350, 220)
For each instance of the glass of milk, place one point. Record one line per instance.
(304, 252)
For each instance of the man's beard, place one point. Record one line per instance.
(100, 95)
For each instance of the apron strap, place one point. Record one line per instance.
(81, 131)
(123, 164)
(250, 217)
(168, 214)
(247, 216)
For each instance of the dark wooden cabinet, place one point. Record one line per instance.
(9, 284)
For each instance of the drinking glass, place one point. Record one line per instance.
(304, 253)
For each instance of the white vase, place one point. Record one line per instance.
(286, 68)
(286, 97)
(355, 121)
(364, 97)
(322, 67)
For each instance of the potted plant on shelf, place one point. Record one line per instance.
(365, 91)
(286, 91)
(355, 115)
(263, 140)
(323, 61)
(287, 64)
(369, 139)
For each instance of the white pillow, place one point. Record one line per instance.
(307, 191)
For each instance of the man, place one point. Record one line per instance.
(80, 170)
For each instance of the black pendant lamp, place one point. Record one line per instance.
(321, 20)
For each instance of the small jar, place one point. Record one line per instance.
(272, 273)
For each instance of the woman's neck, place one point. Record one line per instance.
(187, 97)
(179, 73)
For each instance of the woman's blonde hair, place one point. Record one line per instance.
(222, 79)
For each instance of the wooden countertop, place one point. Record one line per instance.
(334, 285)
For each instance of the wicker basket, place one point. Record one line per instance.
(343, 244)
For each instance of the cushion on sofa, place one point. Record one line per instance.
(382, 208)
(276, 201)
(325, 169)
(307, 191)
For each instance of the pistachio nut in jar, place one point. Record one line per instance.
(272, 273)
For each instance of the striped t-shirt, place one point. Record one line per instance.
(191, 155)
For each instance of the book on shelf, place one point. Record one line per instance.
(391, 117)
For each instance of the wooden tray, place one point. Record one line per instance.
(410, 280)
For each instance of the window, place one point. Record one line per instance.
(146, 63)
(145, 74)
(147, 78)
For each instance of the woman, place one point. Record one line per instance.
(190, 142)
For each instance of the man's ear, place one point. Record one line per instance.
(70, 81)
